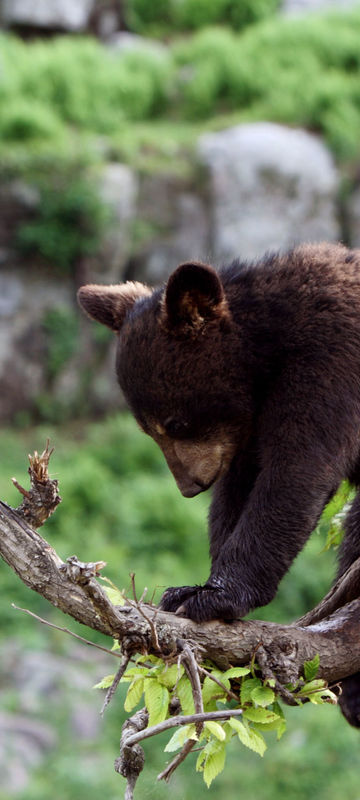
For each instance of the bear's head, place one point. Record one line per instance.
(174, 364)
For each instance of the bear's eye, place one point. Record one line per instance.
(176, 428)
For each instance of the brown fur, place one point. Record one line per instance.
(111, 303)
(250, 379)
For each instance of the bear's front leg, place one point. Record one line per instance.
(248, 564)
(206, 602)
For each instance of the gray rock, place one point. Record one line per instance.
(25, 194)
(174, 227)
(271, 187)
(69, 15)
(292, 7)
(118, 189)
(11, 291)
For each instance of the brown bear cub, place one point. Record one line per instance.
(248, 379)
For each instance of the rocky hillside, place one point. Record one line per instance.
(167, 142)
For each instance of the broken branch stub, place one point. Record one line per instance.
(41, 500)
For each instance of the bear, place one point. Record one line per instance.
(248, 379)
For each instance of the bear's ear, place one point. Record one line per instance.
(110, 304)
(193, 295)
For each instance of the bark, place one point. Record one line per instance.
(330, 630)
(73, 587)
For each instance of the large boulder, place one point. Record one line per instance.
(68, 15)
(271, 187)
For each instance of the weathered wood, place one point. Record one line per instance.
(74, 589)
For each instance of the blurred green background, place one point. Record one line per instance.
(68, 103)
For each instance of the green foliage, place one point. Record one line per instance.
(302, 71)
(80, 82)
(169, 16)
(155, 683)
(311, 668)
(69, 223)
(22, 120)
(61, 328)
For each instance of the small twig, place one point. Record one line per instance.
(181, 720)
(229, 692)
(192, 672)
(20, 488)
(151, 623)
(144, 593)
(112, 689)
(184, 752)
(66, 630)
(132, 576)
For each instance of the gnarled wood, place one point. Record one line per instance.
(72, 587)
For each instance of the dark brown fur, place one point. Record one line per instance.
(251, 381)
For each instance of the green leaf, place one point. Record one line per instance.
(235, 672)
(134, 693)
(216, 730)
(147, 659)
(263, 696)
(200, 761)
(324, 696)
(311, 686)
(133, 672)
(170, 675)
(115, 596)
(249, 737)
(185, 695)
(311, 668)
(116, 645)
(211, 689)
(181, 735)
(213, 760)
(262, 715)
(247, 687)
(156, 701)
(105, 683)
(281, 728)
(228, 732)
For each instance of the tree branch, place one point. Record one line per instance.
(72, 587)
(331, 629)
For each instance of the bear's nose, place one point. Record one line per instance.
(193, 489)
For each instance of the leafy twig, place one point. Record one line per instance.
(207, 674)
(192, 671)
(184, 752)
(181, 720)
